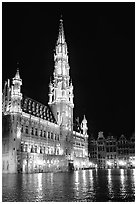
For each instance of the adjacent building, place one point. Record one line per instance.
(101, 147)
(111, 152)
(38, 137)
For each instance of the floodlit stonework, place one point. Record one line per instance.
(39, 138)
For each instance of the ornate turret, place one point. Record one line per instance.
(16, 95)
(84, 126)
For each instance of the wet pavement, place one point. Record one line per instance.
(83, 185)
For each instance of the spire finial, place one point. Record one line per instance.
(61, 19)
(17, 76)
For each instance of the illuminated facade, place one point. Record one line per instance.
(112, 153)
(39, 138)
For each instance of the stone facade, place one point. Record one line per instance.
(39, 138)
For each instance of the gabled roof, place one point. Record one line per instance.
(37, 109)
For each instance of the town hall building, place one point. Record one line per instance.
(38, 137)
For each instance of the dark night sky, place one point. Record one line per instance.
(100, 39)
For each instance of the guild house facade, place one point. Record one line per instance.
(39, 138)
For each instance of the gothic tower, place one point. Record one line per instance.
(61, 89)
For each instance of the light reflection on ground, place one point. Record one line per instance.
(84, 185)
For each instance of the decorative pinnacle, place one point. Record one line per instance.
(17, 76)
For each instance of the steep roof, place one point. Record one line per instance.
(37, 109)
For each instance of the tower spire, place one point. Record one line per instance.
(61, 91)
(61, 36)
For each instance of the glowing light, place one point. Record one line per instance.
(91, 174)
(76, 176)
(122, 176)
(109, 175)
(109, 163)
(40, 181)
(84, 178)
(122, 163)
(132, 161)
(122, 179)
(77, 183)
(110, 183)
(18, 132)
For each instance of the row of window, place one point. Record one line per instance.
(108, 156)
(123, 152)
(79, 154)
(41, 150)
(78, 144)
(41, 133)
(111, 148)
(111, 156)
(101, 148)
(110, 143)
